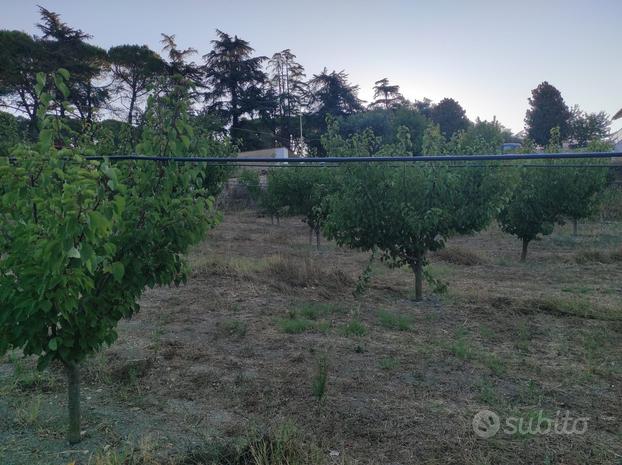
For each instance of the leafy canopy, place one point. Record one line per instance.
(80, 240)
(404, 212)
(550, 190)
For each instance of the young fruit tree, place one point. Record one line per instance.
(404, 212)
(80, 240)
(273, 200)
(549, 191)
(532, 210)
(584, 181)
(304, 190)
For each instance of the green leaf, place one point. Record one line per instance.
(41, 79)
(73, 253)
(53, 344)
(64, 73)
(98, 221)
(63, 88)
(117, 270)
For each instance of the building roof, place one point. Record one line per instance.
(278, 152)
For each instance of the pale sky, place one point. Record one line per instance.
(486, 54)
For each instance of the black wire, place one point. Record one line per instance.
(335, 161)
(340, 160)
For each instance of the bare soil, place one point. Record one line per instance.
(211, 360)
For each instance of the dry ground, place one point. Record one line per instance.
(237, 350)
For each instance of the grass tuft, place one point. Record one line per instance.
(389, 363)
(393, 321)
(320, 378)
(296, 325)
(354, 329)
(309, 316)
(27, 412)
(235, 328)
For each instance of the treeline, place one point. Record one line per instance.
(256, 100)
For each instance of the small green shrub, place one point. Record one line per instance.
(249, 178)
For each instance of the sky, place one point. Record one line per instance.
(486, 54)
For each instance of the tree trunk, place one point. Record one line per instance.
(73, 398)
(130, 115)
(317, 237)
(523, 255)
(310, 235)
(417, 267)
(575, 227)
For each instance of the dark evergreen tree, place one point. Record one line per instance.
(288, 85)
(450, 117)
(332, 94)
(66, 47)
(135, 69)
(235, 79)
(547, 111)
(386, 95)
(22, 56)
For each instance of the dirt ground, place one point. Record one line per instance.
(267, 332)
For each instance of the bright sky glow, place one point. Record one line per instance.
(486, 54)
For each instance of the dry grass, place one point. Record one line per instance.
(404, 383)
(598, 256)
(305, 271)
(459, 256)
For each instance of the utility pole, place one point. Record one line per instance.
(301, 141)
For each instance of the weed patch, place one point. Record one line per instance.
(393, 321)
(389, 363)
(354, 329)
(320, 378)
(235, 328)
(296, 325)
